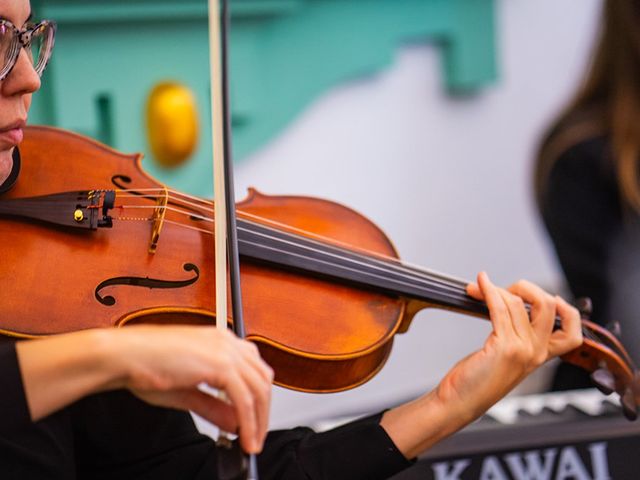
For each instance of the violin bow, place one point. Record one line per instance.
(232, 462)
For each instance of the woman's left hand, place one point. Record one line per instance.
(519, 343)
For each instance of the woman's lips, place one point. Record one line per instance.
(12, 135)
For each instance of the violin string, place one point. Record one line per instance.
(131, 194)
(457, 291)
(422, 282)
(161, 191)
(591, 334)
(196, 229)
(458, 287)
(208, 219)
(418, 270)
(368, 255)
(343, 267)
(386, 261)
(382, 257)
(169, 208)
(388, 267)
(597, 337)
(587, 333)
(449, 295)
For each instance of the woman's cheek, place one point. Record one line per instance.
(27, 102)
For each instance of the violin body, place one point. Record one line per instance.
(317, 334)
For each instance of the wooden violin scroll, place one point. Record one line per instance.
(611, 367)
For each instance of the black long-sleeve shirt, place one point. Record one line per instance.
(114, 435)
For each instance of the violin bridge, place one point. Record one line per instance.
(158, 219)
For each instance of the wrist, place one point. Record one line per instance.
(108, 354)
(418, 425)
(61, 369)
(461, 410)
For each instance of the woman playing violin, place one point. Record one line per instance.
(111, 403)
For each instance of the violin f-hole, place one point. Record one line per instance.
(109, 300)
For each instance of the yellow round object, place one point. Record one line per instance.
(172, 122)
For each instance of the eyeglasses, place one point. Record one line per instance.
(37, 41)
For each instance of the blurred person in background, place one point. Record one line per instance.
(588, 186)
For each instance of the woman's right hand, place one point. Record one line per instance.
(167, 365)
(162, 365)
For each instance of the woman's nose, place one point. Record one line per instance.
(23, 78)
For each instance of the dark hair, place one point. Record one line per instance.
(607, 103)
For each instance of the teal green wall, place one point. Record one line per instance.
(284, 54)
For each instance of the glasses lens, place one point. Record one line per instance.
(8, 48)
(41, 45)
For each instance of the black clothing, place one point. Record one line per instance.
(114, 435)
(13, 175)
(12, 399)
(582, 211)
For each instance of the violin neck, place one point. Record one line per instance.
(362, 270)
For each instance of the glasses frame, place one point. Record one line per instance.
(22, 39)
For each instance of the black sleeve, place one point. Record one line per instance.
(12, 401)
(13, 175)
(358, 450)
(581, 210)
(119, 436)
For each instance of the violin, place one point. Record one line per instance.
(92, 241)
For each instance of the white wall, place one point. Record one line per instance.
(447, 178)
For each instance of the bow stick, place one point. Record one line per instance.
(232, 464)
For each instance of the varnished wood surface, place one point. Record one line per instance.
(319, 336)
